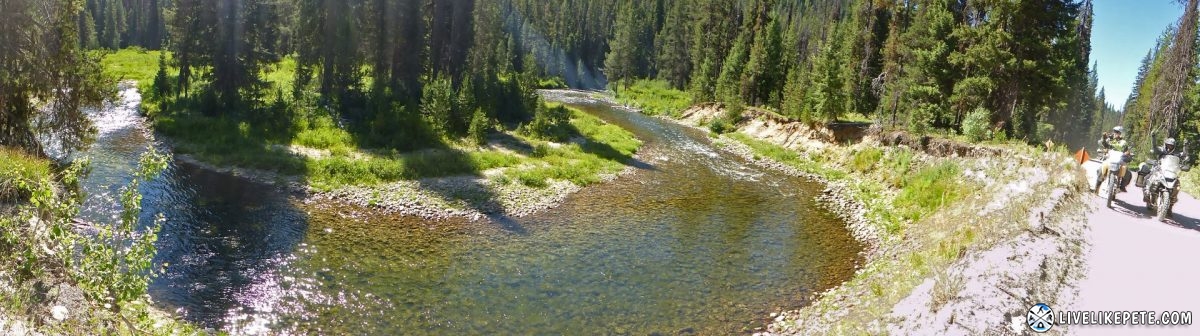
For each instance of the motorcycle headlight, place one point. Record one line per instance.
(1115, 166)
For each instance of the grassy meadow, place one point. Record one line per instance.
(295, 138)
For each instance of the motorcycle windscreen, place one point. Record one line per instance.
(1169, 168)
(1171, 163)
(1114, 156)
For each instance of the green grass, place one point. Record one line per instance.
(865, 160)
(855, 117)
(21, 173)
(141, 65)
(898, 166)
(223, 141)
(920, 193)
(927, 215)
(262, 144)
(282, 75)
(655, 97)
(1191, 182)
(321, 132)
(930, 189)
(815, 164)
(551, 83)
(132, 64)
(16, 163)
(604, 148)
(339, 170)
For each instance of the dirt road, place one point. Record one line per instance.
(1138, 263)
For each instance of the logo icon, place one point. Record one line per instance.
(1040, 318)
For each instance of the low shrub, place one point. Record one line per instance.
(864, 160)
(481, 124)
(324, 138)
(111, 267)
(899, 164)
(720, 126)
(20, 174)
(655, 97)
(551, 123)
(975, 125)
(929, 189)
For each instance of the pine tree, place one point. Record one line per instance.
(729, 83)
(703, 87)
(794, 94)
(1177, 75)
(673, 63)
(114, 24)
(827, 97)
(1137, 117)
(925, 78)
(759, 80)
(162, 82)
(437, 105)
(711, 35)
(885, 84)
(621, 63)
(1139, 80)
(87, 30)
(980, 62)
(154, 26)
(39, 35)
(1075, 121)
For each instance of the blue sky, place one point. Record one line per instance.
(1122, 32)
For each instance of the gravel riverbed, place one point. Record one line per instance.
(466, 196)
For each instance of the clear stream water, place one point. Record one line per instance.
(694, 241)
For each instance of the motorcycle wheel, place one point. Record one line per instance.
(1150, 201)
(1164, 203)
(1112, 189)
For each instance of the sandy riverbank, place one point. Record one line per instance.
(969, 267)
(467, 196)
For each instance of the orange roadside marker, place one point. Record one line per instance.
(1082, 156)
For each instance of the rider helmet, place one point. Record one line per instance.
(1118, 129)
(1170, 144)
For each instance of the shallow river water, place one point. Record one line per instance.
(694, 241)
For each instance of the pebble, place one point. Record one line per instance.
(58, 313)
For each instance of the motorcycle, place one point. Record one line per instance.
(1162, 184)
(1110, 170)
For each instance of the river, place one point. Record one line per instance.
(694, 241)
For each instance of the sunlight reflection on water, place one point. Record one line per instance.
(696, 240)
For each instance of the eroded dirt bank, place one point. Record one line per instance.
(972, 266)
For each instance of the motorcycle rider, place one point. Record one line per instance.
(1169, 148)
(1115, 141)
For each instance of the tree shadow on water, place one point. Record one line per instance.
(223, 238)
(470, 192)
(608, 152)
(467, 188)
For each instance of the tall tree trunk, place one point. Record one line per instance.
(1166, 106)
(15, 129)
